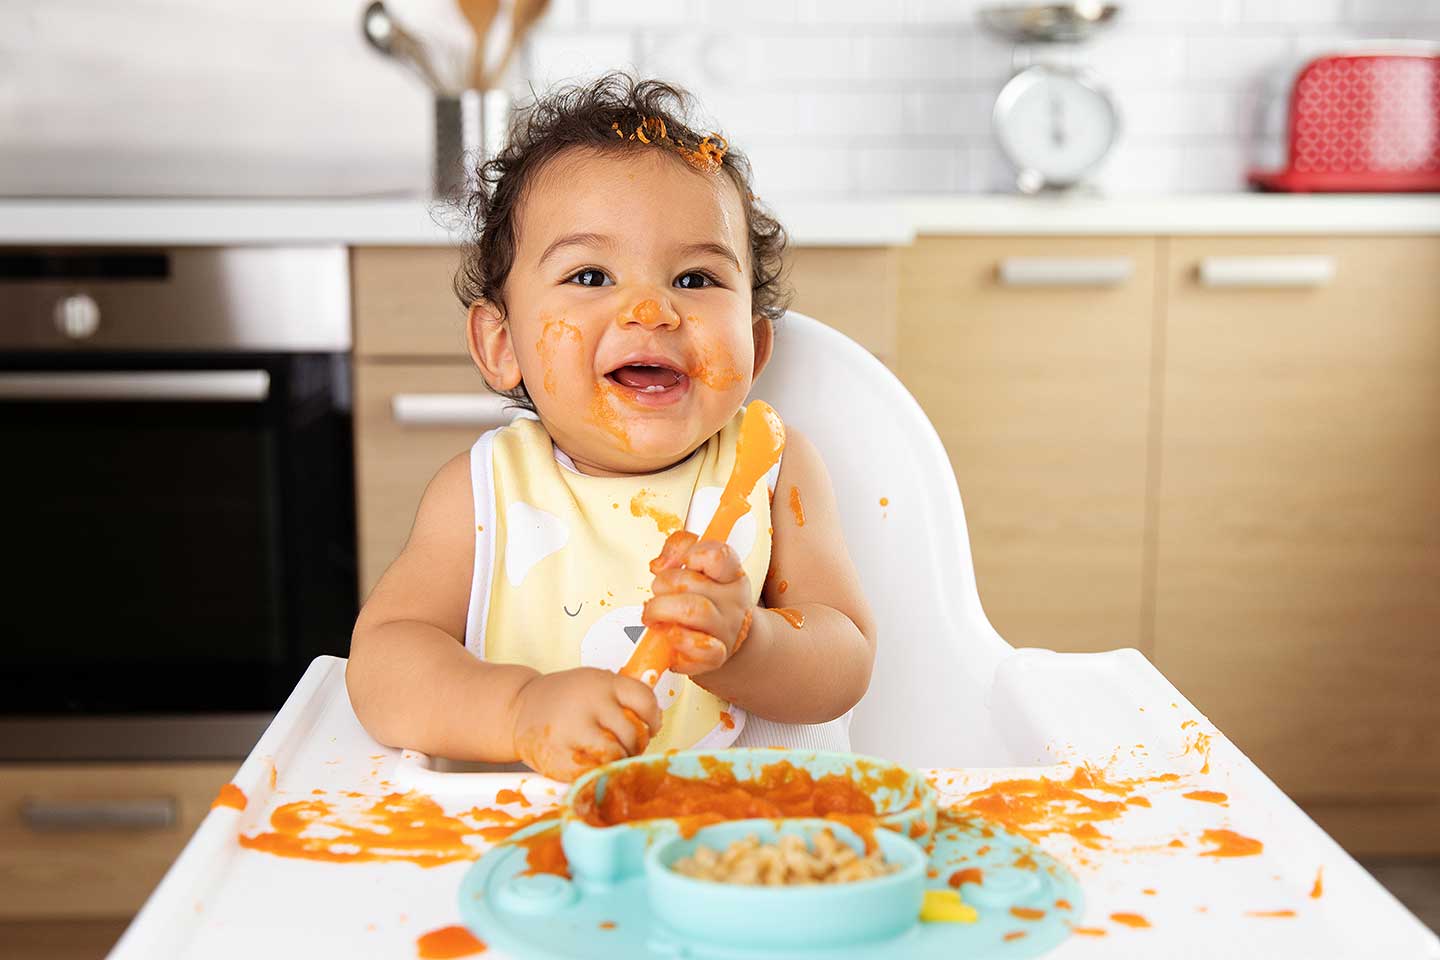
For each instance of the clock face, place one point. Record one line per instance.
(1054, 125)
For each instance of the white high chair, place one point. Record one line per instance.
(937, 653)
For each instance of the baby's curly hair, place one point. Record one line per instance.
(614, 112)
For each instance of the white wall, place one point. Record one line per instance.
(829, 97)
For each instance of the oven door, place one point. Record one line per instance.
(180, 535)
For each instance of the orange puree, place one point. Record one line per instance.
(1088, 931)
(1270, 913)
(511, 796)
(793, 617)
(1228, 843)
(646, 313)
(796, 507)
(968, 875)
(648, 791)
(448, 942)
(1319, 888)
(604, 416)
(664, 519)
(551, 334)
(1206, 796)
(229, 796)
(544, 854)
(1027, 913)
(1130, 919)
(407, 827)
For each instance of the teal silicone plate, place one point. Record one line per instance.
(605, 910)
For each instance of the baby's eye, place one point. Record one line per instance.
(590, 277)
(694, 280)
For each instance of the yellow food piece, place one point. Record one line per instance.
(945, 906)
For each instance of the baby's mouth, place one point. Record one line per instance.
(647, 378)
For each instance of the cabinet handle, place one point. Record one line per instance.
(1304, 271)
(155, 813)
(449, 409)
(1066, 271)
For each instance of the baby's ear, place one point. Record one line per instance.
(764, 331)
(491, 346)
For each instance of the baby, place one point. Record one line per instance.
(623, 289)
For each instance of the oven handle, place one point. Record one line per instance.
(139, 386)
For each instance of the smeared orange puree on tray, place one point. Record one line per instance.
(229, 796)
(1228, 843)
(406, 827)
(447, 943)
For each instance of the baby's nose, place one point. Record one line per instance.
(650, 314)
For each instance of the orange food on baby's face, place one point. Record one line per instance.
(643, 369)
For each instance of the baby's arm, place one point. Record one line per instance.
(413, 684)
(822, 669)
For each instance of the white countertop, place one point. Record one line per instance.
(879, 222)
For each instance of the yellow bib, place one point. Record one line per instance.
(569, 559)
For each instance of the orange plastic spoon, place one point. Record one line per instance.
(762, 438)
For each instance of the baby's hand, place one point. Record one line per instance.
(572, 721)
(701, 603)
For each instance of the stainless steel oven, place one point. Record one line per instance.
(178, 488)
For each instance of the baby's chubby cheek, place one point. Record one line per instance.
(559, 349)
(568, 385)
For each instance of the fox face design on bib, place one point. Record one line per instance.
(570, 571)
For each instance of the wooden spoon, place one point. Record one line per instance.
(762, 438)
(481, 14)
(522, 18)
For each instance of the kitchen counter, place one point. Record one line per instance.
(881, 222)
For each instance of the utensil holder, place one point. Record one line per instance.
(469, 129)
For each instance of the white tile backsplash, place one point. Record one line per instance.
(899, 170)
(829, 97)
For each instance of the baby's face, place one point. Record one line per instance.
(628, 307)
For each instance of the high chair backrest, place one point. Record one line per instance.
(936, 650)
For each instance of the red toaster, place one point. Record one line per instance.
(1361, 123)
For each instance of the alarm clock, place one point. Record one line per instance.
(1055, 124)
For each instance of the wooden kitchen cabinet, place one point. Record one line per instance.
(404, 302)
(93, 874)
(856, 290)
(1042, 397)
(1297, 567)
(397, 452)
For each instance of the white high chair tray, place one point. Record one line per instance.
(221, 900)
